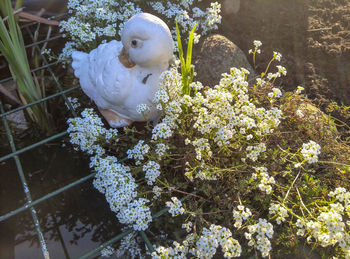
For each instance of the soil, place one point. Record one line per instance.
(313, 37)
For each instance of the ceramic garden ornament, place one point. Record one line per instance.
(119, 76)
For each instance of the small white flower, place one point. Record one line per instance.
(300, 114)
(241, 215)
(277, 56)
(187, 226)
(107, 251)
(142, 109)
(175, 207)
(257, 43)
(299, 90)
(152, 171)
(280, 212)
(157, 191)
(263, 231)
(161, 131)
(310, 151)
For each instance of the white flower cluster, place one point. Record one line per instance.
(240, 215)
(129, 247)
(161, 131)
(175, 207)
(187, 17)
(116, 182)
(170, 86)
(263, 230)
(157, 192)
(299, 90)
(341, 195)
(86, 132)
(142, 109)
(276, 93)
(202, 147)
(204, 246)
(138, 152)
(107, 251)
(222, 115)
(265, 180)
(112, 179)
(187, 226)
(176, 251)
(329, 228)
(282, 71)
(107, 179)
(74, 102)
(197, 86)
(280, 212)
(67, 51)
(210, 240)
(310, 151)
(161, 148)
(300, 224)
(161, 95)
(257, 45)
(136, 213)
(277, 56)
(253, 152)
(152, 171)
(300, 113)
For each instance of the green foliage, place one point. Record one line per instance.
(187, 71)
(290, 181)
(13, 49)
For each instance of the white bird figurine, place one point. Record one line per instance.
(119, 76)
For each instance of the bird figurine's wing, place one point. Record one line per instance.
(101, 75)
(80, 65)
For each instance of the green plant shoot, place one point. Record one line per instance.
(187, 71)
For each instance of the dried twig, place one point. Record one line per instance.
(36, 18)
(187, 193)
(320, 29)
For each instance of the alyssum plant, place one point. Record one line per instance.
(13, 49)
(258, 167)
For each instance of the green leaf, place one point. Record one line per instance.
(189, 48)
(187, 71)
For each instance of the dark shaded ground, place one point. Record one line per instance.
(73, 222)
(313, 37)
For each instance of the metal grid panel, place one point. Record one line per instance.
(30, 204)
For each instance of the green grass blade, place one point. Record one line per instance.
(189, 49)
(178, 37)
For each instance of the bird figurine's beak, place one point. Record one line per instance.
(125, 60)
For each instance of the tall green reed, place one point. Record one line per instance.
(13, 49)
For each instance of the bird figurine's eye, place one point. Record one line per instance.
(134, 43)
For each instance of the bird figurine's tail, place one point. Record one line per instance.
(80, 65)
(80, 60)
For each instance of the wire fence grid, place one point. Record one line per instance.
(14, 154)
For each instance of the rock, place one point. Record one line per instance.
(18, 120)
(320, 121)
(218, 54)
(9, 94)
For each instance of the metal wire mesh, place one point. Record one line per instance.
(30, 203)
